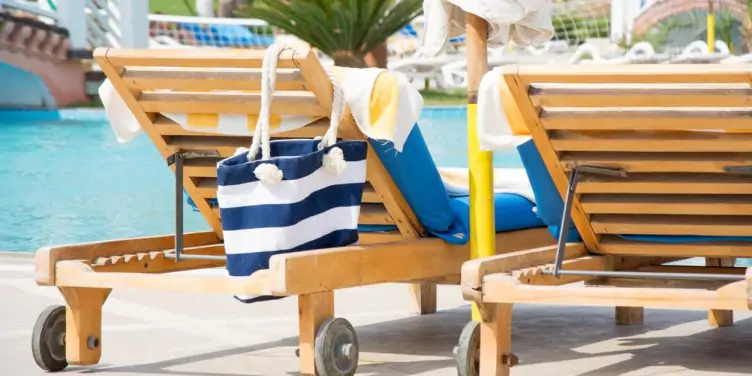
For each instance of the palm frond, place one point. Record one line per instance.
(352, 27)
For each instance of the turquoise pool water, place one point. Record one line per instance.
(65, 179)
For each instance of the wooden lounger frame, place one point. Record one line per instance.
(193, 79)
(667, 130)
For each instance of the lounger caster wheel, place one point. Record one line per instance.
(336, 348)
(48, 339)
(466, 354)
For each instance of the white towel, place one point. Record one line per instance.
(506, 180)
(122, 120)
(525, 22)
(494, 133)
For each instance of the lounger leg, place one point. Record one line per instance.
(629, 315)
(313, 310)
(718, 318)
(496, 358)
(83, 324)
(423, 298)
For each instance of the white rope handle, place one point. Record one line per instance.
(268, 81)
(338, 109)
(334, 159)
(261, 135)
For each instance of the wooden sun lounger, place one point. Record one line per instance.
(655, 155)
(86, 273)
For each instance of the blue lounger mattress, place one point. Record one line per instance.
(415, 174)
(511, 212)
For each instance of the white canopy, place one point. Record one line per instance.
(525, 22)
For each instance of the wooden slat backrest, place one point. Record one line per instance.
(675, 129)
(155, 82)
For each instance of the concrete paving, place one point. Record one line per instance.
(154, 333)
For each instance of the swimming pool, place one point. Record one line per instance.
(65, 178)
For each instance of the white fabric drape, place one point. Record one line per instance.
(524, 22)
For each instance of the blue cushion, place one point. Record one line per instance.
(415, 174)
(511, 212)
(549, 202)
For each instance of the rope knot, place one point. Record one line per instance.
(334, 161)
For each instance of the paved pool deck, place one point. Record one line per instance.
(154, 333)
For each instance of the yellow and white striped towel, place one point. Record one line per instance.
(236, 124)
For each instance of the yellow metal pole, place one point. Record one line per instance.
(711, 26)
(482, 234)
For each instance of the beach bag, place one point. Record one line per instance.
(289, 195)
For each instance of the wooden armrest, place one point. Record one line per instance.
(343, 267)
(76, 273)
(474, 271)
(47, 257)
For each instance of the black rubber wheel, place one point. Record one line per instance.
(48, 339)
(336, 348)
(467, 352)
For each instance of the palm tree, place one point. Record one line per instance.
(747, 26)
(227, 8)
(346, 30)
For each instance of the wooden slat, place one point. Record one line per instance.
(374, 214)
(657, 283)
(657, 162)
(598, 96)
(203, 79)
(614, 245)
(650, 141)
(219, 58)
(672, 225)
(207, 187)
(201, 167)
(379, 237)
(667, 184)
(667, 204)
(283, 103)
(167, 127)
(626, 119)
(226, 146)
(731, 270)
(370, 195)
(640, 73)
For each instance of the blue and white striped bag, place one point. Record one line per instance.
(290, 196)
